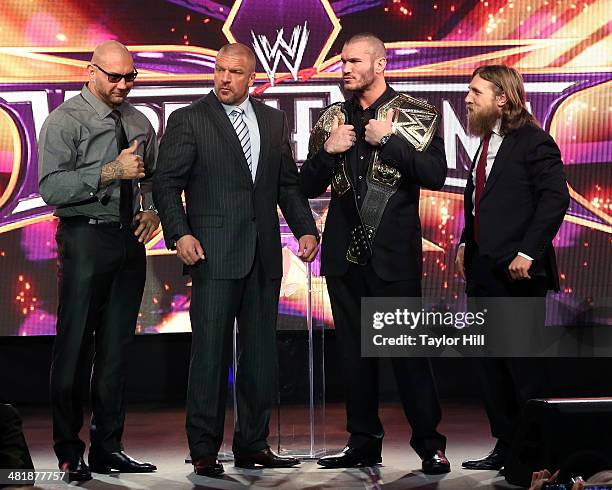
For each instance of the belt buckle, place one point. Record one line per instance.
(98, 222)
(385, 174)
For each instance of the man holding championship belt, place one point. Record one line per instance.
(376, 150)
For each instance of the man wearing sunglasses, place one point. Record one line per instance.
(96, 160)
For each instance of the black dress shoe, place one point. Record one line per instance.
(76, 470)
(207, 466)
(103, 462)
(436, 464)
(266, 458)
(350, 457)
(493, 461)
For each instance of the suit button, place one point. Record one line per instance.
(253, 219)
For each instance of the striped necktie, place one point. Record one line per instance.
(242, 131)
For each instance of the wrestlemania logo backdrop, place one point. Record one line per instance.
(562, 47)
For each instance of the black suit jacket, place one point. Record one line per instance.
(229, 214)
(397, 248)
(523, 203)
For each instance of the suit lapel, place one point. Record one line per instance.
(500, 162)
(224, 125)
(264, 137)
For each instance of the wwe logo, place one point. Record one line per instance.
(291, 52)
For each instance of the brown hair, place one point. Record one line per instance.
(378, 47)
(508, 81)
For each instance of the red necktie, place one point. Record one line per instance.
(481, 178)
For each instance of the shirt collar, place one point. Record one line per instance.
(497, 128)
(387, 94)
(245, 106)
(100, 107)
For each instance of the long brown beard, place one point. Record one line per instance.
(482, 123)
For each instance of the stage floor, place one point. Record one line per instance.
(157, 435)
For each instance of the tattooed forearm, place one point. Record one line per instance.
(111, 171)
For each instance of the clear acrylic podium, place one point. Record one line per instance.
(297, 425)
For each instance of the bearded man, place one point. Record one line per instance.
(515, 201)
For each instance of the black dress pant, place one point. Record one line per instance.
(414, 377)
(14, 452)
(215, 303)
(101, 276)
(507, 383)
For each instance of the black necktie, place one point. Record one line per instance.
(126, 199)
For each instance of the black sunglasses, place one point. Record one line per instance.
(116, 77)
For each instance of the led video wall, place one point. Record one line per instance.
(562, 48)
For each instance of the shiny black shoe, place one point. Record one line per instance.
(493, 461)
(350, 457)
(103, 462)
(76, 470)
(436, 464)
(265, 458)
(207, 466)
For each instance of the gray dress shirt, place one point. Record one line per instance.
(76, 140)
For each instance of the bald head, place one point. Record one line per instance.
(110, 51)
(238, 50)
(110, 60)
(374, 44)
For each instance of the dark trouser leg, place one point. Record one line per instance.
(414, 378)
(14, 452)
(112, 339)
(257, 376)
(85, 273)
(360, 374)
(419, 397)
(499, 396)
(214, 304)
(507, 383)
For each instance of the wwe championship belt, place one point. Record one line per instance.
(416, 122)
(318, 137)
(360, 250)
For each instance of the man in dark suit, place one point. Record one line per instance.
(515, 200)
(390, 264)
(231, 156)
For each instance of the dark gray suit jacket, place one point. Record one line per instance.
(229, 214)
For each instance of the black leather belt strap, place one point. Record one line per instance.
(90, 221)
